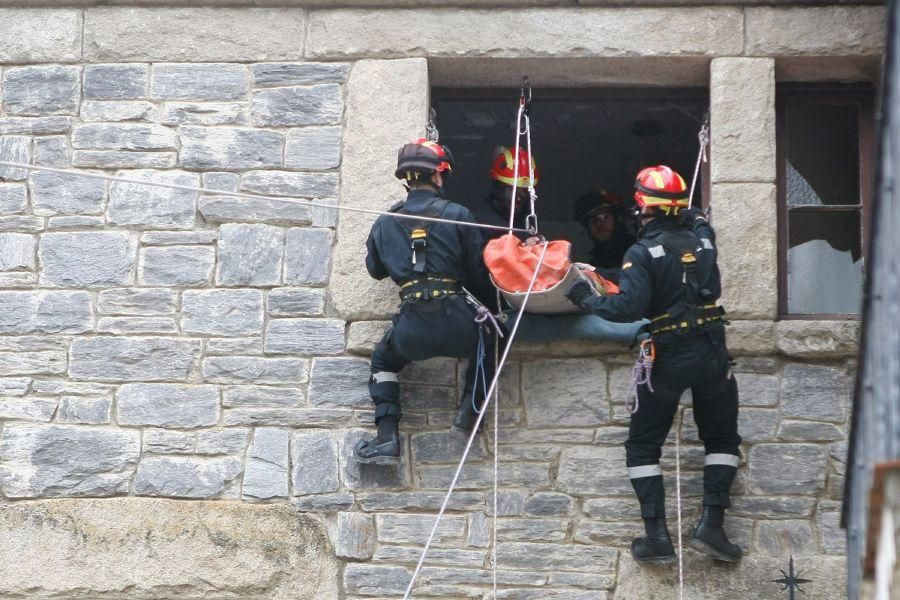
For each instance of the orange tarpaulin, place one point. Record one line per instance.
(512, 265)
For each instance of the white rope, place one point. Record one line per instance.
(496, 467)
(487, 399)
(512, 204)
(678, 500)
(531, 220)
(203, 190)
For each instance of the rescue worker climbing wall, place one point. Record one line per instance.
(495, 208)
(602, 214)
(670, 276)
(431, 262)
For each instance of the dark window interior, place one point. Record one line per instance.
(824, 138)
(582, 140)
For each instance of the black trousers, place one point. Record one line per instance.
(424, 330)
(699, 361)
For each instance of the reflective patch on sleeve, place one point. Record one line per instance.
(657, 251)
(627, 265)
(707, 244)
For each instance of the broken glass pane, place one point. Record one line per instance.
(823, 155)
(825, 264)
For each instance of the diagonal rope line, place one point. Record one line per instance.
(488, 396)
(246, 195)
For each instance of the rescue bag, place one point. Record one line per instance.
(512, 264)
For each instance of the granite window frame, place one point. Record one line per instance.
(789, 95)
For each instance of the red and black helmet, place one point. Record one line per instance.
(422, 156)
(662, 187)
(504, 167)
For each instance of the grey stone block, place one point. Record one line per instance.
(772, 507)
(314, 455)
(167, 405)
(234, 346)
(122, 159)
(757, 390)
(249, 255)
(805, 431)
(32, 363)
(115, 82)
(15, 386)
(561, 557)
(75, 222)
(322, 216)
(815, 392)
(289, 417)
(787, 469)
(251, 369)
(613, 509)
(230, 148)
(17, 251)
(245, 396)
(28, 409)
(307, 256)
(291, 106)
(15, 149)
(549, 503)
(339, 382)
(372, 580)
(593, 470)
(576, 387)
(414, 529)
(222, 312)
(117, 111)
(177, 265)
(34, 125)
(399, 501)
(84, 410)
(22, 223)
(205, 113)
(533, 530)
(55, 193)
(123, 136)
(230, 209)
(285, 183)
(358, 476)
(163, 441)
(136, 301)
(13, 198)
(266, 472)
(199, 82)
(226, 182)
(443, 446)
(136, 325)
(531, 475)
(295, 302)
(51, 151)
(141, 359)
(232, 440)
(66, 460)
(316, 148)
(87, 259)
(305, 336)
(40, 35)
(754, 425)
(828, 523)
(177, 238)
(149, 206)
(73, 388)
(186, 477)
(41, 90)
(285, 74)
(355, 536)
(778, 538)
(323, 503)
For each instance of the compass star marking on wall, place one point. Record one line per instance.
(791, 581)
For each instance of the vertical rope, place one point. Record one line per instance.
(512, 204)
(496, 469)
(678, 500)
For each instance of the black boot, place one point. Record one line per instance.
(465, 419)
(710, 538)
(384, 448)
(655, 546)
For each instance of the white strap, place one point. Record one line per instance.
(644, 471)
(729, 460)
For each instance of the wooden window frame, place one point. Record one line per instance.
(862, 96)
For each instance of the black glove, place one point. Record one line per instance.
(579, 291)
(690, 215)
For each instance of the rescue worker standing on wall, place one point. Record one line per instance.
(495, 209)
(670, 276)
(431, 262)
(602, 215)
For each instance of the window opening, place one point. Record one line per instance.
(583, 140)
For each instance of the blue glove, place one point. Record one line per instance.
(690, 215)
(579, 291)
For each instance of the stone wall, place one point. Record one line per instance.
(163, 345)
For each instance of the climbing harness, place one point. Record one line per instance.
(640, 374)
(417, 229)
(462, 461)
(251, 196)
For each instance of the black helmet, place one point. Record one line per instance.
(423, 156)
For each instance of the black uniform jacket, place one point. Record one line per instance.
(651, 277)
(452, 251)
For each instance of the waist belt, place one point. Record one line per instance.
(428, 288)
(699, 317)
